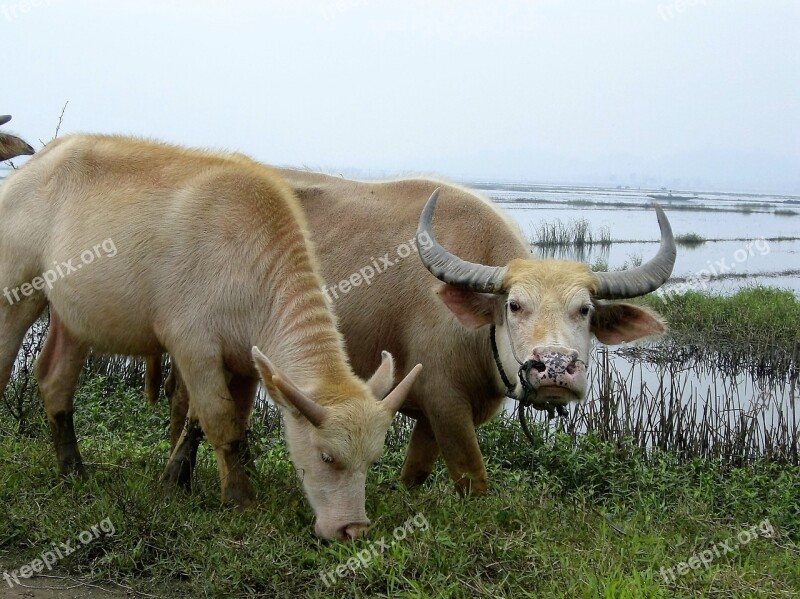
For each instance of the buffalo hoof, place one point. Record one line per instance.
(474, 487)
(178, 473)
(241, 496)
(71, 465)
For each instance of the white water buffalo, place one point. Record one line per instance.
(210, 258)
(540, 315)
(12, 146)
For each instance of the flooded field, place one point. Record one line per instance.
(735, 402)
(688, 400)
(749, 239)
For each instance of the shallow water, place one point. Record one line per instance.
(744, 257)
(641, 223)
(744, 247)
(643, 396)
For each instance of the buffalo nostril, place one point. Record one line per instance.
(538, 366)
(571, 367)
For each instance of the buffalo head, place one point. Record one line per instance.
(546, 311)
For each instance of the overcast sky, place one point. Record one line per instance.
(687, 93)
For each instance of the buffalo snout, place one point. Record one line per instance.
(556, 373)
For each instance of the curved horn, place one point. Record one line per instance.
(449, 268)
(645, 278)
(12, 146)
(4, 118)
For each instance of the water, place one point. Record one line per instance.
(743, 226)
(692, 402)
(741, 255)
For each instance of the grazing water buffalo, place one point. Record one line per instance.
(211, 258)
(12, 146)
(520, 327)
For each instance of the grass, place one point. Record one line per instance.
(690, 239)
(752, 320)
(785, 212)
(548, 528)
(571, 515)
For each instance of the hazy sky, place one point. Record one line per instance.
(697, 93)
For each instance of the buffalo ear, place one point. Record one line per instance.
(614, 323)
(285, 393)
(382, 381)
(472, 309)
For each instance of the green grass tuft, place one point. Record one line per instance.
(689, 239)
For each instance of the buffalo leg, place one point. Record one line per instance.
(455, 433)
(15, 320)
(421, 455)
(243, 390)
(181, 465)
(152, 377)
(223, 420)
(178, 396)
(57, 370)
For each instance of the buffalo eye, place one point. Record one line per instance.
(514, 306)
(327, 458)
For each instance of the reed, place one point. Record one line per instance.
(686, 406)
(577, 233)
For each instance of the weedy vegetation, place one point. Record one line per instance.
(644, 475)
(690, 239)
(577, 233)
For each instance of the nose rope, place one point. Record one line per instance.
(528, 392)
(508, 333)
(509, 387)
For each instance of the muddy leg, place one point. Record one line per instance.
(180, 466)
(57, 370)
(178, 396)
(421, 455)
(213, 406)
(243, 390)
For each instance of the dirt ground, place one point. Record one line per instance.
(52, 584)
(57, 587)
